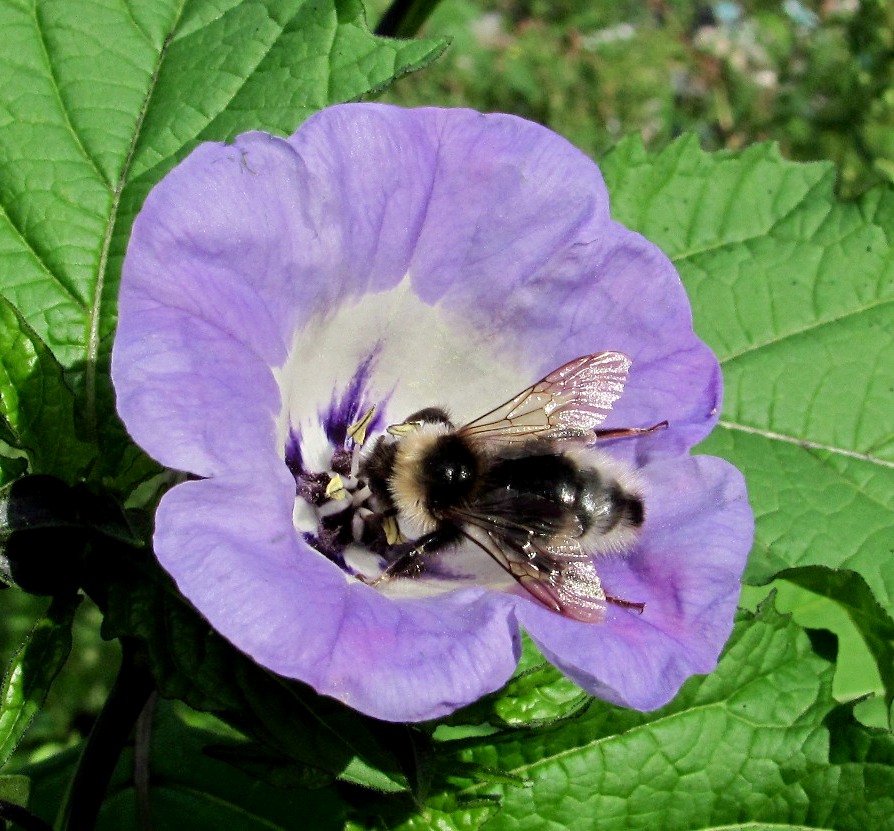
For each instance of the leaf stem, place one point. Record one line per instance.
(16, 814)
(141, 750)
(129, 695)
(404, 18)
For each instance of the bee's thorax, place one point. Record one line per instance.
(449, 472)
(434, 470)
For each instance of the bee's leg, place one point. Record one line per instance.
(639, 608)
(627, 432)
(410, 564)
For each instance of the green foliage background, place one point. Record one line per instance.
(791, 285)
(816, 77)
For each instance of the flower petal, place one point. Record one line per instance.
(622, 294)
(514, 248)
(230, 545)
(686, 569)
(191, 395)
(456, 258)
(255, 238)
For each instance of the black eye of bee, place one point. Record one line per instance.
(450, 470)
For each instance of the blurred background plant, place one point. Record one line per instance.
(817, 76)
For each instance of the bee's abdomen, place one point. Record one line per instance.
(593, 503)
(606, 507)
(551, 477)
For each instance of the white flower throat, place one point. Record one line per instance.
(522, 483)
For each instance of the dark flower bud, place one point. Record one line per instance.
(42, 536)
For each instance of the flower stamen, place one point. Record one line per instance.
(345, 507)
(336, 489)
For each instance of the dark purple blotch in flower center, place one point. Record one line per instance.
(294, 456)
(350, 519)
(343, 411)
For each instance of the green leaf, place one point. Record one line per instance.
(851, 593)
(192, 663)
(259, 762)
(538, 694)
(15, 788)
(11, 466)
(794, 291)
(760, 742)
(187, 788)
(37, 408)
(443, 814)
(32, 670)
(99, 100)
(857, 676)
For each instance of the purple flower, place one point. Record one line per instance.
(275, 289)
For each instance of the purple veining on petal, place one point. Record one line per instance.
(309, 485)
(294, 456)
(344, 411)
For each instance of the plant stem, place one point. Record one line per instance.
(129, 694)
(404, 18)
(141, 750)
(16, 814)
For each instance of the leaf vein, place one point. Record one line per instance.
(804, 443)
(136, 24)
(57, 89)
(94, 335)
(523, 769)
(724, 243)
(807, 329)
(45, 266)
(858, 487)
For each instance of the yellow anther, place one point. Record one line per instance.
(393, 534)
(336, 489)
(404, 428)
(357, 431)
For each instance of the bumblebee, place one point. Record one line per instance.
(524, 483)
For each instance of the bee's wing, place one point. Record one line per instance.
(568, 403)
(519, 515)
(556, 572)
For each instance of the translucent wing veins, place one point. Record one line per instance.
(568, 403)
(558, 573)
